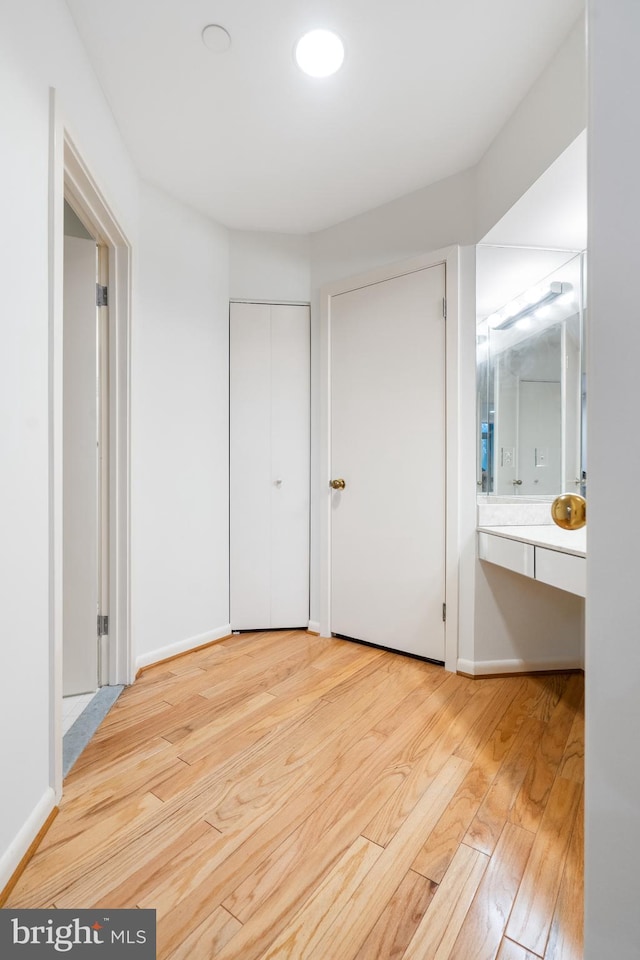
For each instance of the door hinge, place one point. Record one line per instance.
(101, 296)
(444, 613)
(444, 308)
(103, 624)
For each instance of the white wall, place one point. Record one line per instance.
(612, 843)
(518, 619)
(546, 121)
(269, 266)
(179, 438)
(73, 226)
(39, 48)
(428, 219)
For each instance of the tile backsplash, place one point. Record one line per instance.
(504, 512)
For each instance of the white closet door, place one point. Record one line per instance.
(269, 466)
(388, 444)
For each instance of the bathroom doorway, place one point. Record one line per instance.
(90, 270)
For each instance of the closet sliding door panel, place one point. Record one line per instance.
(250, 465)
(269, 466)
(290, 397)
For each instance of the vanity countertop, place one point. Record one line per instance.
(545, 535)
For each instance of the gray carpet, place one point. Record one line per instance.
(79, 735)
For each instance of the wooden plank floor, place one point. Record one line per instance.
(279, 795)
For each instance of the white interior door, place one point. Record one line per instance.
(539, 437)
(80, 468)
(388, 444)
(269, 466)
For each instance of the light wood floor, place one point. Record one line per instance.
(278, 795)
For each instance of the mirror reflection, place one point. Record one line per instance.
(530, 372)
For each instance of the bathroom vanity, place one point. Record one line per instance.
(531, 399)
(530, 575)
(542, 552)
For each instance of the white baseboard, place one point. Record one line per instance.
(485, 668)
(182, 646)
(10, 859)
(314, 626)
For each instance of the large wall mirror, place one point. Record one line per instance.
(531, 381)
(531, 346)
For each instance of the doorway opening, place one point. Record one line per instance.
(89, 451)
(85, 466)
(85, 480)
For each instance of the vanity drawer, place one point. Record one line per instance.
(562, 570)
(512, 554)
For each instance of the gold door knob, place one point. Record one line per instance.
(569, 511)
(337, 484)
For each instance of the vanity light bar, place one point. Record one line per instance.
(517, 310)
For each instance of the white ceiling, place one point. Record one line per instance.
(246, 138)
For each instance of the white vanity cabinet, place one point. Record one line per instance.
(515, 555)
(562, 570)
(545, 553)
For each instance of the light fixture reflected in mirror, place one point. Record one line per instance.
(527, 305)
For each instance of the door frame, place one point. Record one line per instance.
(450, 257)
(70, 179)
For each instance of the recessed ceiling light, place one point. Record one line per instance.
(320, 53)
(216, 38)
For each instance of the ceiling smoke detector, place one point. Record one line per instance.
(216, 38)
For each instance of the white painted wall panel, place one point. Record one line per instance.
(180, 409)
(518, 618)
(545, 122)
(31, 62)
(269, 266)
(612, 838)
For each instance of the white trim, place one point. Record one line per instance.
(56, 268)
(81, 188)
(467, 448)
(182, 646)
(314, 626)
(273, 303)
(69, 176)
(487, 668)
(10, 860)
(450, 257)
